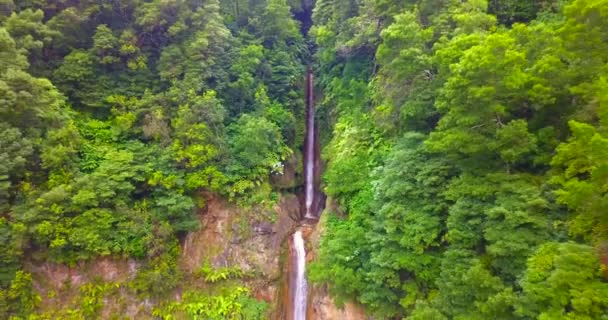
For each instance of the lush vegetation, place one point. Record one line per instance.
(227, 300)
(115, 116)
(465, 141)
(469, 151)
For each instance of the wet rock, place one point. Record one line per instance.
(263, 228)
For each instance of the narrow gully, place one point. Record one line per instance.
(311, 208)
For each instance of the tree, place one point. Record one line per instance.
(257, 148)
(581, 169)
(198, 137)
(19, 300)
(563, 281)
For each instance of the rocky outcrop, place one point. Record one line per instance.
(229, 236)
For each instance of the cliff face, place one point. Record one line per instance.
(252, 245)
(263, 250)
(60, 287)
(229, 236)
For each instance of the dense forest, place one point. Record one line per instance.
(114, 115)
(469, 152)
(465, 148)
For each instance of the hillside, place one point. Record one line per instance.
(328, 159)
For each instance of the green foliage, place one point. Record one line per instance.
(113, 161)
(406, 72)
(15, 151)
(92, 296)
(90, 299)
(28, 30)
(19, 299)
(355, 149)
(338, 262)
(212, 275)
(160, 274)
(582, 169)
(258, 149)
(563, 281)
(464, 139)
(196, 144)
(90, 215)
(235, 303)
(451, 156)
(12, 237)
(512, 11)
(155, 105)
(221, 300)
(396, 228)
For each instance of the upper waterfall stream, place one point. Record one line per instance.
(309, 178)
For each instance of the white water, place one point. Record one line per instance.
(299, 297)
(310, 150)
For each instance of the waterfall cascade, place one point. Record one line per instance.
(310, 209)
(298, 284)
(301, 287)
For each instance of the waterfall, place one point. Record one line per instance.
(309, 179)
(301, 287)
(298, 285)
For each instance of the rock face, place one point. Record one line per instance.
(231, 237)
(59, 285)
(324, 308)
(52, 276)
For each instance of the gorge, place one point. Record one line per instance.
(304, 160)
(311, 209)
(298, 283)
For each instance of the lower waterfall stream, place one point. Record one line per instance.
(301, 286)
